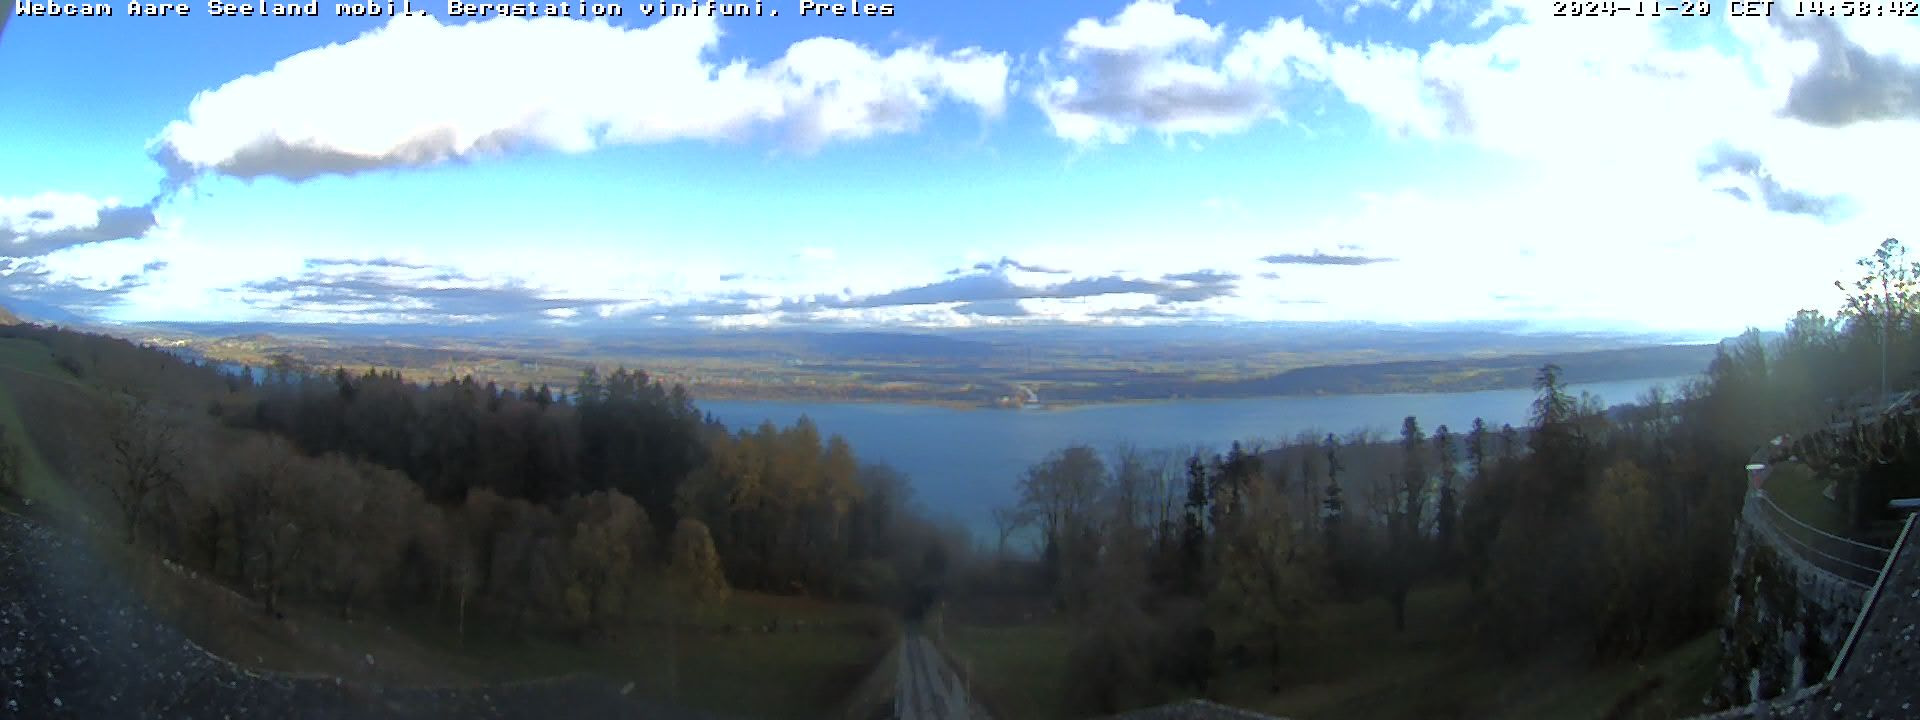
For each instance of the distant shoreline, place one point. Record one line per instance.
(1077, 404)
(1072, 377)
(1248, 389)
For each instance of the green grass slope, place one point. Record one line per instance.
(27, 366)
(1351, 665)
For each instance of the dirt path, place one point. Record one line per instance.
(928, 689)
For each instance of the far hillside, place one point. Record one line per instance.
(981, 368)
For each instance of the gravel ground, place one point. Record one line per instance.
(1193, 710)
(1881, 678)
(77, 642)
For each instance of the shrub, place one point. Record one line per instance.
(71, 365)
(9, 466)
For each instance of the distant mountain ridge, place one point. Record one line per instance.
(1213, 339)
(22, 310)
(1461, 375)
(982, 368)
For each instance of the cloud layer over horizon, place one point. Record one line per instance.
(1529, 143)
(48, 222)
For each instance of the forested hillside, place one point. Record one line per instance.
(599, 517)
(1295, 577)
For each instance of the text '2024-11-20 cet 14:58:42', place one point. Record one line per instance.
(454, 8)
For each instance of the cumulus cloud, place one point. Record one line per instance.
(1320, 258)
(1546, 89)
(994, 308)
(380, 290)
(1415, 10)
(1147, 312)
(510, 84)
(1204, 277)
(997, 292)
(1389, 83)
(997, 286)
(1742, 175)
(1152, 67)
(32, 280)
(966, 288)
(1526, 89)
(34, 226)
(378, 262)
(1847, 83)
(1006, 263)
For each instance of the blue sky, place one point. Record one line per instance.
(957, 164)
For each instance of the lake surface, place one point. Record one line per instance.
(965, 462)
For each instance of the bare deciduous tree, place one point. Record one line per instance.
(1006, 522)
(266, 504)
(1061, 494)
(143, 457)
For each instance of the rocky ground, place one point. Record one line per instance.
(75, 641)
(1881, 677)
(1193, 710)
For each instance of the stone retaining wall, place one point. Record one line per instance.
(1786, 618)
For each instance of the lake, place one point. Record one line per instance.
(964, 462)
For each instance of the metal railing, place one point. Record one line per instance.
(1855, 562)
(1872, 598)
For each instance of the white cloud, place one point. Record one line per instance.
(554, 83)
(1538, 86)
(1354, 7)
(1144, 26)
(1152, 67)
(44, 223)
(1386, 80)
(1559, 91)
(1605, 128)
(1852, 81)
(1599, 133)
